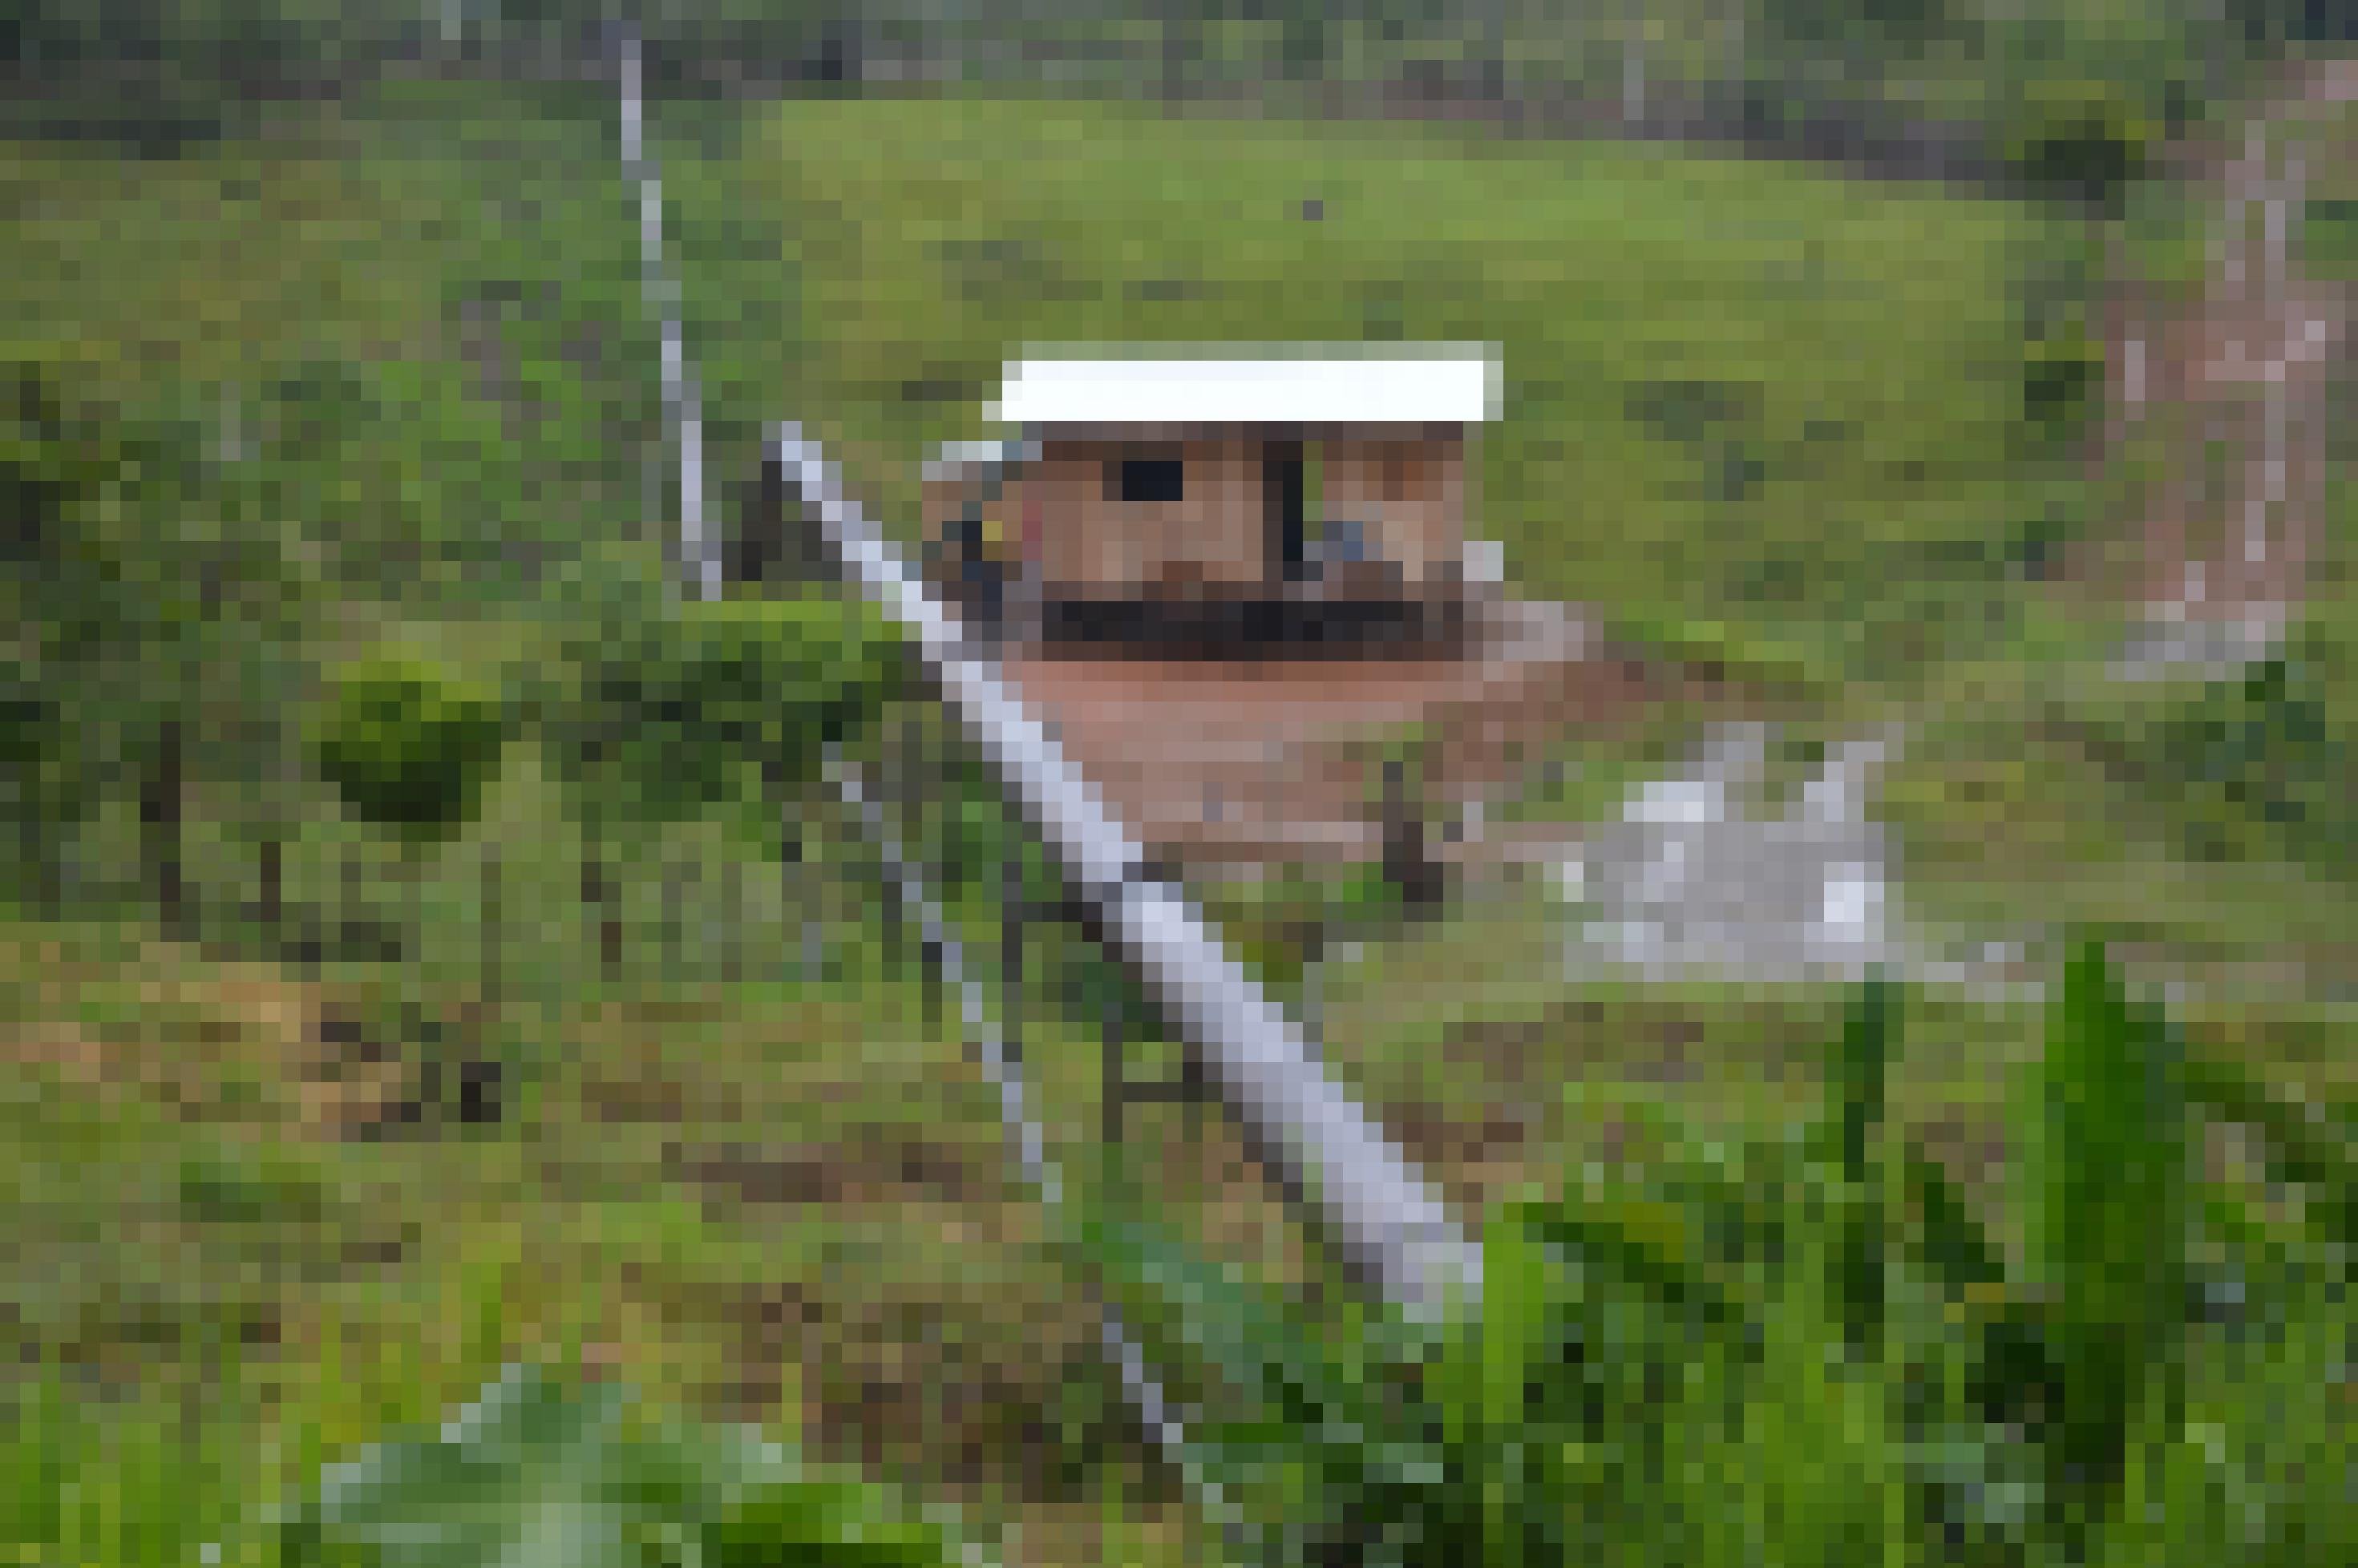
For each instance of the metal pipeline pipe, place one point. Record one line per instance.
(1393, 1228)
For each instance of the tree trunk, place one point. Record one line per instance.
(160, 811)
(598, 897)
(270, 911)
(677, 946)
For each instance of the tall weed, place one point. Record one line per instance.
(2105, 1176)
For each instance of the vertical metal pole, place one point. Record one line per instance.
(632, 124)
(700, 560)
(1005, 1070)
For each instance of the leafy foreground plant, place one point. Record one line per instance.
(538, 1475)
(1808, 1350)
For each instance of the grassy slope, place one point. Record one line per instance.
(1854, 352)
(779, 1204)
(2008, 819)
(346, 256)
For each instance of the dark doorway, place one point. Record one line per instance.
(1151, 480)
(1282, 504)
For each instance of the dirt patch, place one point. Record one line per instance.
(917, 1381)
(1275, 760)
(2240, 368)
(78, 1057)
(635, 1100)
(874, 1170)
(1470, 1156)
(231, 1046)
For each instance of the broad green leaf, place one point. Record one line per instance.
(2105, 1207)
(539, 1475)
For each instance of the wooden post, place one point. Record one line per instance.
(599, 897)
(1408, 863)
(160, 810)
(271, 911)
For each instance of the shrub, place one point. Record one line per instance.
(1283, 922)
(2061, 378)
(2254, 769)
(2082, 140)
(673, 707)
(408, 745)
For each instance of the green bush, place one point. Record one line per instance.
(677, 706)
(2062, 378)
(2083, 140)
(408, 745)
(2254, 769)
(1280, 923)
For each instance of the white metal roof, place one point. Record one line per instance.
(1452, 387)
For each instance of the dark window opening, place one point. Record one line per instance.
(1284, 506)
(1140, 480)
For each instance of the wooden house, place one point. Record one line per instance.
(1286, 498)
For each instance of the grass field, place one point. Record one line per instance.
(1738, 393)
(1748, 408)
(1748, 402)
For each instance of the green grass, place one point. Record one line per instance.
(1476, 1042)
(418, 364)
(2034, 790)
(788, 1205)
(665, 1192)
(1715, 367)
(1734, 392)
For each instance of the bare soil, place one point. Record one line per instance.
(2234, 381)
(327, 1078)
(1275, 760)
